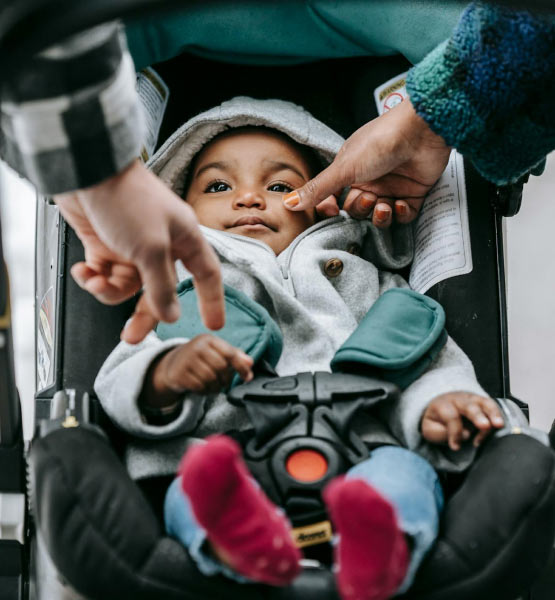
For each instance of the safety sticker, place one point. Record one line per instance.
(153, 94)
(391, 93)
(441, 232)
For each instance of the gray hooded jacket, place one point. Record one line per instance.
(315, 311)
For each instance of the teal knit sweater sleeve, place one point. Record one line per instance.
(489, 89)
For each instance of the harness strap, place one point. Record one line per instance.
(248, 325)
(399, 337)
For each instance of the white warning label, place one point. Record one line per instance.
(441, 231)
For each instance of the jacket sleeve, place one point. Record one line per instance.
(71, 118)
(451, 371)
(120, 381)
(488, 90)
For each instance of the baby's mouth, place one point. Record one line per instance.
(252, 223)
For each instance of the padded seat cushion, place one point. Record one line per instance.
(104, 538)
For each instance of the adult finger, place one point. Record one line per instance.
(399, 186)
(325, 184)
(359, 203)
(328, 207)
(407, 209)
(141, 322)
(157, 271)
(383, 213)
(200, 259)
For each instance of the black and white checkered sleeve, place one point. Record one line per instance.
(72, 118)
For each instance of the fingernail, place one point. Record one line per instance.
(366, 202)
(381, 216)
(291, 199)
(401, 209)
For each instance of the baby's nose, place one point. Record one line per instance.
(250, 198)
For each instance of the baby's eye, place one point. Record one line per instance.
(281, 188)
(217, 186)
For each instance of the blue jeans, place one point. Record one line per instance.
(407, 480)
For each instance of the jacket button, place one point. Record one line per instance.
(333, 267)
(354, 249)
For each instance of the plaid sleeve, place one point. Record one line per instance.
(71, 118)
(488, 90)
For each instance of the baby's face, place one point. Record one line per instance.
(239, 182)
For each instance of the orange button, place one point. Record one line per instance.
(306, 465)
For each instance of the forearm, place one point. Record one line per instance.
(71, 118)
(488, 90)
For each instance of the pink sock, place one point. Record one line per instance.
(240, 521)
(372, 555)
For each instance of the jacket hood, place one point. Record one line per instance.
(394, 247)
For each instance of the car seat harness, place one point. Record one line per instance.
(301, 436)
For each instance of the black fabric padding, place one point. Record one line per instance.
(498, 529)
(104, 538)
(497, 533)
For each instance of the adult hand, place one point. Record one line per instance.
(133, 228)
(390, 164)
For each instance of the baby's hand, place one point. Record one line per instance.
(443, 419)
(205, 364)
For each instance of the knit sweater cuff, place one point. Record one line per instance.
(487, 90)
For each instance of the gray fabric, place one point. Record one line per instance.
(315, 313)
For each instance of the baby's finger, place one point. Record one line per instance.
(493, 412)
(449, 415)
(215, 359)
(240, 361)
(383, 213)
(472, 410)
(206, 373)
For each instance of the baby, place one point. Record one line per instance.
(316, 281)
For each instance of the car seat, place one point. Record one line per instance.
(498, 528)
(96, 536)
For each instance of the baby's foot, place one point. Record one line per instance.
(240, 521)
(371, 557)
